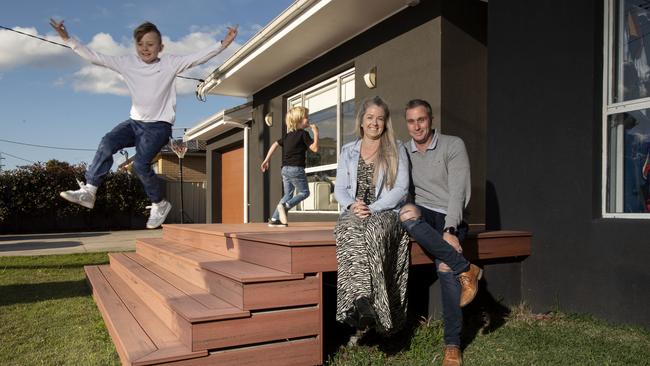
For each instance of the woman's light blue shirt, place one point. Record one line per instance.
(346, 180)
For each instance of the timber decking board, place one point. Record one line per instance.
(176, 301)
(246, 295)
(131, 342)
(229, 229)
(198, 294)
(136, 332)
(240, 271)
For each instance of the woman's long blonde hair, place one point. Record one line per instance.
(294, 116)
(386, 160)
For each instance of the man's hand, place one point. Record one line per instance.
(60, 29)
(452, 240)
(232, 33)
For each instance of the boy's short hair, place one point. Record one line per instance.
(145, 28)
(294, 116)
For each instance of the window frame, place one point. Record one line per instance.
(338, 81)
(610, 108)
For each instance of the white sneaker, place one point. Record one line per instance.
(159, 212)
(282, 211)
(84, 196)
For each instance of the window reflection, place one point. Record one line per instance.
(632, 51)
(629, 162)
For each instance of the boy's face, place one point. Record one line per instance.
(304, 123)
(148, 47)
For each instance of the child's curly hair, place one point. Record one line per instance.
(294, 116)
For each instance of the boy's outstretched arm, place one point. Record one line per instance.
(265, 163)
(60, 29)
(230, 36)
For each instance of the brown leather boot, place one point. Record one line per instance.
(469, 284)
(453, 356)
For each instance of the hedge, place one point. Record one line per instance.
(30, 201)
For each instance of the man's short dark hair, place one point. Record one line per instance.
(414, 103)
(145, 28)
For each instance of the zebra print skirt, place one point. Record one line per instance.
(373, 262)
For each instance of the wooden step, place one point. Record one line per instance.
(178, 310)
(298, 352)
(139, 336)
(222, 238)
(244, 285)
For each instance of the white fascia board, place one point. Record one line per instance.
(294, 16)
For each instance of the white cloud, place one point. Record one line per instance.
(18, 52)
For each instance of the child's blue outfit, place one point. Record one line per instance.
(294, 151)
(153, 110)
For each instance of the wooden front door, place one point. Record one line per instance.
(232, 186)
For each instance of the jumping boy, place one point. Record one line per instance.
(294, 145)
(151, 82)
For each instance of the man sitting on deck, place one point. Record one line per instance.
(440, 177)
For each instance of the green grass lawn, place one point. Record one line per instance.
(48, 317)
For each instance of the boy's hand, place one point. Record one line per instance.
(232, 33)
(60, 29)
(264, 166)
(313, 127)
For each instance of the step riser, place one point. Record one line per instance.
(260, 327)
(293, 353)
(208, 242)
(247, 296)
(158, 305)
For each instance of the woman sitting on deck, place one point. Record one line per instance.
(371, 246)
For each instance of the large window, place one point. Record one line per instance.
(626, 107)
(331, 108)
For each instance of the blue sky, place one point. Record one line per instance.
(49, 96)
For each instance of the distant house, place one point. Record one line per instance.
(166, 166)
(551, 98)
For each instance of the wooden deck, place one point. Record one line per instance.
(235, 294)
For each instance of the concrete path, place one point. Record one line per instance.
(64, 243)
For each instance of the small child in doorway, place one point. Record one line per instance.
(151, 82)
(294, 145)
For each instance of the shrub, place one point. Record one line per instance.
(33, 191)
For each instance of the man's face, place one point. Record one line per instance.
(418, 124)
(149, 47)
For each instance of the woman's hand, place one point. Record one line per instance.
(60, 29)
(232, 33)
(360, 209)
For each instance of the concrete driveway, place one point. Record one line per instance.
(65, 243)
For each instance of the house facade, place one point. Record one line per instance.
(550, 99)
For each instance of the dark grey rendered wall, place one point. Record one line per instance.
(395, 47)
(544, 161)
(406, 50)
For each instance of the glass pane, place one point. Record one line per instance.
(631, 51)
(628, 188)
(322, 112)
(321, 197)
(348, 132)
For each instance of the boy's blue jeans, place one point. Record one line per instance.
(147, 137)
(427, 230)
(293, 177)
